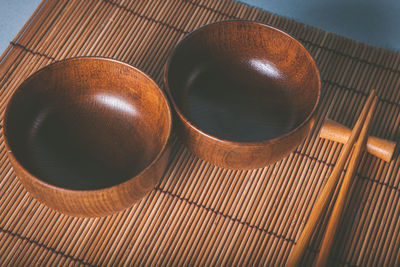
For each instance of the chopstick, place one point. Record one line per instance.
(338, 208)
(326, 194)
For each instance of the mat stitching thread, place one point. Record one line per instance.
(324, 81)
(391, 187)
(313, 158)
(43, 246)
(145, 17)
(360, 92)
(211, 9)
(350, 56)
(224, 215)
(31, 51)
(235, 17)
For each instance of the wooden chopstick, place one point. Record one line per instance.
(326, 194)
(338, 208)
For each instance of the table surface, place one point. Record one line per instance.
(370, 21)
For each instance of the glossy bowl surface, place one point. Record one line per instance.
(88, 136)
(245, 93)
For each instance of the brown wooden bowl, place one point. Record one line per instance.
(245, 93)
(88, 136)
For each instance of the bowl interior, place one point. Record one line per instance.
(87, 123)
(243, 81)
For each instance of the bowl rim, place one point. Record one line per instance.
(88, 191)
(230, 142)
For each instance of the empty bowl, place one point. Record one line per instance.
(88, 136)
(244, 93)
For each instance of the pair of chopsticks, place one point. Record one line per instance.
(357, 140)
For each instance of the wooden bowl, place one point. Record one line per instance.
(244, 93)
(88, 136)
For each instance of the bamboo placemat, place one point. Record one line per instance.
(200, 214)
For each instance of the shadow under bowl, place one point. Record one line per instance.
(244, 93)
(88, 136)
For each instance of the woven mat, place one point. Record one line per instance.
(200, 214)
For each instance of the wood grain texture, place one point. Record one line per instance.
(344, 191)
(378, 147)
(200, 214)
(86, 136)
(320, 209)
(245, 93)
